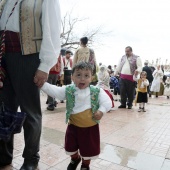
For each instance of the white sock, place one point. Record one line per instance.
(143, 105)
(140, 105)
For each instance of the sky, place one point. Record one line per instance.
(142, 24)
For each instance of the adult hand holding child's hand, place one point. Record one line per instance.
(98, 115)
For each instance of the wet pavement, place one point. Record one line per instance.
(129, 140)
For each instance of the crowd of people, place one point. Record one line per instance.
(127, 82)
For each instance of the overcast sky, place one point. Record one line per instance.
(142, 24)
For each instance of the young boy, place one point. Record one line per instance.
(85, 106)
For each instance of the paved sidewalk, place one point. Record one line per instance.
(129, 140)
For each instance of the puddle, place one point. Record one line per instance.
(53, 136)
(130, 158)
(166, 165)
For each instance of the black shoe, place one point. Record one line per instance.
(167, 97)
(62, 101)
(47, 102)
(50, 107)
(115, 100)
(121, 107)
(149, 95)
(30, 166)
(129, 107)
(85, 168)
(73, 164)
(55, 103)
(143, 109)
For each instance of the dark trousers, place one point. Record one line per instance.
(20, 90)
(67, 77)
(127, 90)
(52, 79)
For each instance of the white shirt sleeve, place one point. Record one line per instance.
(54, 91)
(139, 64)
(104, 102)
(118, 68)
(51, 26)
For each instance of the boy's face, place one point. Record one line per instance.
(82, 78)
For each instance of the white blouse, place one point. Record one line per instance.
(82, 97)
(51, 25)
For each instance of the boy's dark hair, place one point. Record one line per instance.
(82, 66)
(84, 40)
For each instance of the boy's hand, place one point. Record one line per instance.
(98, 115)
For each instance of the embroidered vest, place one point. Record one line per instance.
(141, 89)
(70, 100)
(132, 63)
(30, 26)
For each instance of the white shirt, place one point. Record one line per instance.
(82, 98)
(126, 67)
(51, 25)
(67, 63)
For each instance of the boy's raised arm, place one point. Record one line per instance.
(54, 91)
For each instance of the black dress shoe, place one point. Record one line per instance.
(73, 164)
(129, 107)
(122, 107)
(30, 166)
(50, 107)
(84, 168)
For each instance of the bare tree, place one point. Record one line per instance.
(70, 35)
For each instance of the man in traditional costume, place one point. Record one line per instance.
(32, 45)
(129, 65)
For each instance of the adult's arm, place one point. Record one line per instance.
(118, 69)
(75, 58)
(139, 64)
(51, 26)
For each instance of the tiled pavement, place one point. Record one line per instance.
(129, 140)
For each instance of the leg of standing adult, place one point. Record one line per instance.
(130, 86)
(123, 95)
(21, 70)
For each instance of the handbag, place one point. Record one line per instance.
(10, 122)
